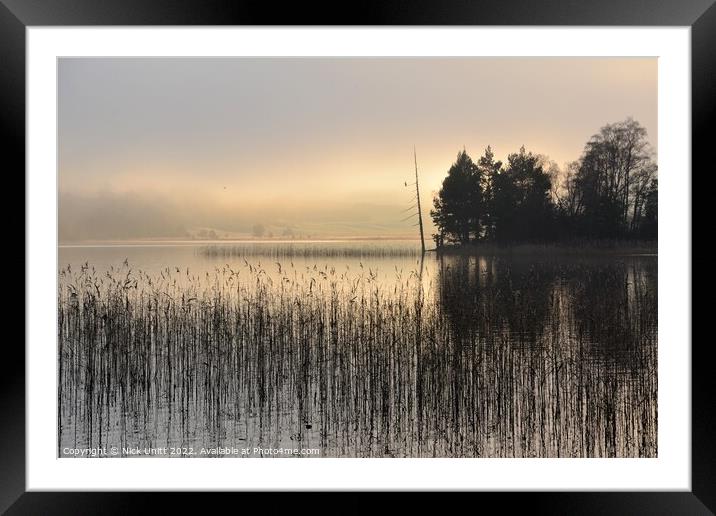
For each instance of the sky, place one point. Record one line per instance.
(153, 148)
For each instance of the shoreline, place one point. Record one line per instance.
(647, 248)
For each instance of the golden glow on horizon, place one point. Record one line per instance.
(330, 144)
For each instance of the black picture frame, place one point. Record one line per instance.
(17, 15)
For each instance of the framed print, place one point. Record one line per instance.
(422, 252)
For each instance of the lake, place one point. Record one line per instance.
(355, 349)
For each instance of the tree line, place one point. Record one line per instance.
(610, 192)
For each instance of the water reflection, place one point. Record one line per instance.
(458, 356)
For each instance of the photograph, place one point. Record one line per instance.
(357, 257)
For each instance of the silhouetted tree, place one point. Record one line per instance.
(649, 222)
(489, 168)
(611, 191)
(521, 207)
(458, 207)
(611, 181)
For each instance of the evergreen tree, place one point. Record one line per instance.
(458, 207)
(489, 169)
(521, 207)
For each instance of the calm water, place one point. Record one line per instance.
(357, 349)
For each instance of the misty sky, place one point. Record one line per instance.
(156, 147)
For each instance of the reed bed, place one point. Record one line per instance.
(488, 359)
(285, 250)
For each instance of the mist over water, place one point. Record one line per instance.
(167, 147)
(230, 274)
